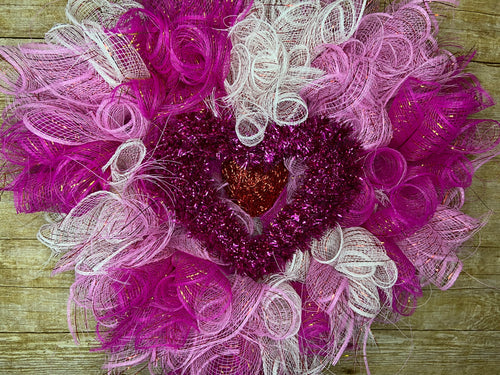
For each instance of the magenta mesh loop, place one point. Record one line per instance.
(385, 223)
(186, 48)
(202, 288)
(410, 205)
(427, 116)
(415, 201)
(385, 168)
(362, 207)
(407, 288)
(452, 170)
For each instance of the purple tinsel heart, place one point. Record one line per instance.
(193, 148)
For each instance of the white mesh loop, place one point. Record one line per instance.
(125, 162)
(359, 256)
(112, 56)
(296, 268)
(327, 249)
(250, 128)
(280, 309)
(101, 11)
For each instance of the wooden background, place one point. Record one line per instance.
(452, 332)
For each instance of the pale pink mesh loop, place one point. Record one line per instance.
(121, 120)
(103, 231)
(364, 299)
(478, 136)
(432, 249)
(325, 286)
(454, 198)
(454, 226)
(238, 356)
(59, 125)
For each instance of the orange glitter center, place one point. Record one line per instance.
(254, 190)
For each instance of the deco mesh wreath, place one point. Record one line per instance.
(244, 187)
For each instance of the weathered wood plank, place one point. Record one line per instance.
(46, 354)
(472, 31)
(397, 352)
(29, 19)
(428, 352)
(20, 226)
(43, 309)
(35, 309)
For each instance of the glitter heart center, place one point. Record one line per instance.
(254, 189)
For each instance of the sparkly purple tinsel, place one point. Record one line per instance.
(195, 145)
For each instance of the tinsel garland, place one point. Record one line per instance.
(244, 187)
(196, 147)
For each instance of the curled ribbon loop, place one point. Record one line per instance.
(280, 310)
(362, 206)
(103, 227)
(432, 248)
(410, 205)
(327, 250)
(385, 167)
(111, 55)
(121, 120)
(296, 269)
(363, 261)
(126, 162)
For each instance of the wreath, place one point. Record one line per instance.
(244, 187)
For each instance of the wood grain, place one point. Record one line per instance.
(452, 332)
